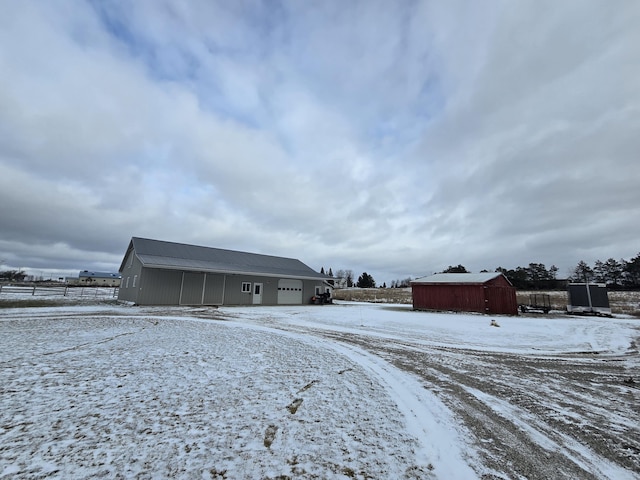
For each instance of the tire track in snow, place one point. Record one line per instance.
(427, 418)
(525, 442)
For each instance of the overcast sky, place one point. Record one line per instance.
(392, 137)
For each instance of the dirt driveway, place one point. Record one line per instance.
(530, 416)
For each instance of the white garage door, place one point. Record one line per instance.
(289, 292)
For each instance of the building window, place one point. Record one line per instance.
(246, 287)
(135, 277)
(127, 284)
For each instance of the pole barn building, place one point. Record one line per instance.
(490, 293)
(166, 273)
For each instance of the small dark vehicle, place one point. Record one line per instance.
(321, 299)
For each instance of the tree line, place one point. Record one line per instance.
(616, 274)
(12, 275)
(345, 278)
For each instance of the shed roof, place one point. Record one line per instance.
(180, 256)
(457, 278)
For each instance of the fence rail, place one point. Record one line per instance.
(56, 291)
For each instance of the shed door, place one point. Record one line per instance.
(289, 292)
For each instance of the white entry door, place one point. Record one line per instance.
(257, 293)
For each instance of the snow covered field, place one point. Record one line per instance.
(343, 391)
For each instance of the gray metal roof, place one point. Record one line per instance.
(179, 256)
(458, 278)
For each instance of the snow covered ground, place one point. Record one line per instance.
(342, 391)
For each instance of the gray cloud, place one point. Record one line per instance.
(393, 138)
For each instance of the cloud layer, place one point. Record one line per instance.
(395, 138)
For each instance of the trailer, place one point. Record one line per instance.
(538, 302)
(588, 299)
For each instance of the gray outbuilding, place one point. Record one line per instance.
(156, 272)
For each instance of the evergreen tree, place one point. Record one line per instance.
(613, 271)
(583, 272)
(632, 272)
(366, 281)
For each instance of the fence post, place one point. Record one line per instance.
(65, 290)
(34, 291)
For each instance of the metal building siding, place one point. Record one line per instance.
(214, 289)
(233, 294)
(159, 287)
(493, 297)
(132, 270)
(501, 300)
(463, 298)
(192, 288)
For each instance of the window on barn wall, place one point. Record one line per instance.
(246, 287)
(135, 277)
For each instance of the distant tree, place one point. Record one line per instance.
(519, 277)
(631, 272)
(366, 281)
(13, 275)
(404, 283)
(322, 270)
(349, 276)
(613, 271)
(553, 272)
(330, 272)
(456, 269)
(384, 285)
(582, 273)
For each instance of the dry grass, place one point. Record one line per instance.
(374, 295)
(627, 303)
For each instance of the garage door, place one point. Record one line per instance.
(289, 292)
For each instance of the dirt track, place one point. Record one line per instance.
(529, 416)
(556, 401)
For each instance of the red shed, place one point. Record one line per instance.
(490, 293)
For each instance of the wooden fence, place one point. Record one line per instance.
(55, 291)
